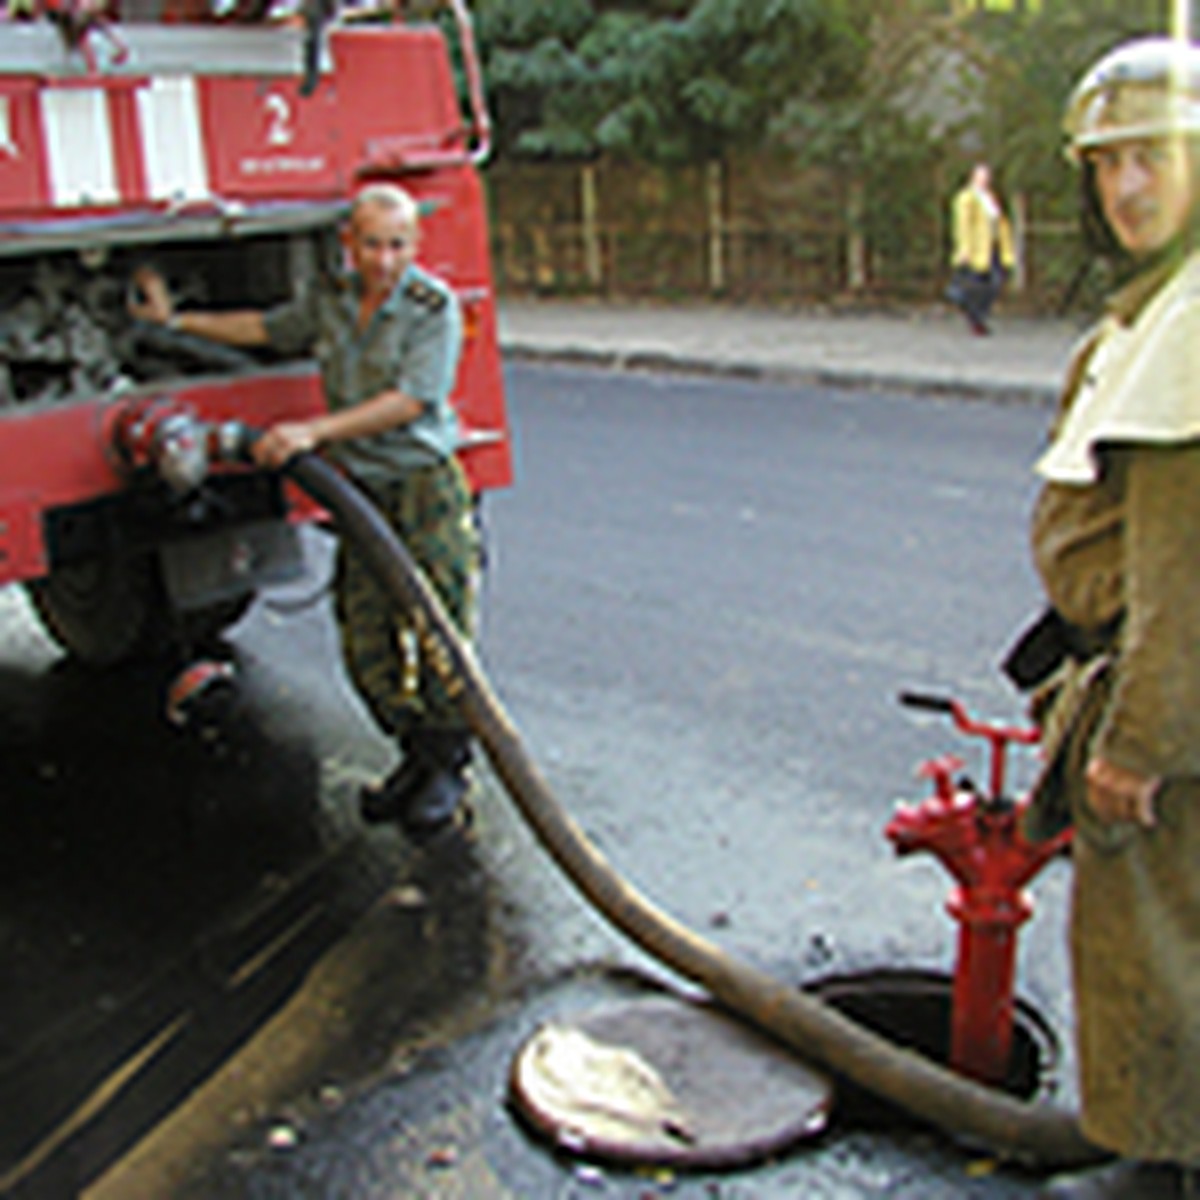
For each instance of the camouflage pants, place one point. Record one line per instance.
(430, 510)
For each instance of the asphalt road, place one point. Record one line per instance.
(702, 599)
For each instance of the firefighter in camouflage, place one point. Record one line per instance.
(387, 336)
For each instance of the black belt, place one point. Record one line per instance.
(1049, 641)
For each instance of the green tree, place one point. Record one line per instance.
(714, 80)
(571, 80)
(534, 75)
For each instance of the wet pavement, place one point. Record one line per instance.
(443, 1126)
(433, 1117)
(163, 894)
(346, 1074)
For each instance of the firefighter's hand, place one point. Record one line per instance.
(283, 442)
(155, 303)
(1117, 794)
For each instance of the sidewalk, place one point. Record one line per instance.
(928, 350)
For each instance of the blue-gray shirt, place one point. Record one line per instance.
(412, 345)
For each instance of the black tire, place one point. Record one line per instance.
(108, 611)
(103, 611)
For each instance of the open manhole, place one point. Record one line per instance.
(913, 1009)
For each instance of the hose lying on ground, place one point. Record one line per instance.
(1035, 1134)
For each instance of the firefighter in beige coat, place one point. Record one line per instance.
(1116, 540)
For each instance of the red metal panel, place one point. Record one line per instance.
(454, 245)
(127, 146)
(61, 455)
(487, 455)
(45, 456)
(394, 88)
(22, 548)
(23, 184)
(265, 139)
(255, 399)
(56, 454)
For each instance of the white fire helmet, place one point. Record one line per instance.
(1149, 87)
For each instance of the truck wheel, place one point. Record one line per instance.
(104, 610)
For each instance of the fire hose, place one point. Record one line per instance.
(1036, 1134)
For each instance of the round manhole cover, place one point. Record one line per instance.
(667, 1082)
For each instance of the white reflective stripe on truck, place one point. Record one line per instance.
(79, 147)
(172, 144)
(81, 152)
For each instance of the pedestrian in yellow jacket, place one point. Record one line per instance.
(982, 254)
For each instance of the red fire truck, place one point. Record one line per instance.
(220, 144)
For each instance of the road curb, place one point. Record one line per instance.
(665, 361)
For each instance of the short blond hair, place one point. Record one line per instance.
(389, 196)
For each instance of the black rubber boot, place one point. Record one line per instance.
(435, 802)
(386, 799)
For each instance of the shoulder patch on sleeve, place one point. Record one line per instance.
(428, 297)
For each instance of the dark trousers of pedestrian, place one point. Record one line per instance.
(975, 294)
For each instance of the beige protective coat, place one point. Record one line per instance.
(1117, 529)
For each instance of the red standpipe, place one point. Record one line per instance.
(978, 839)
